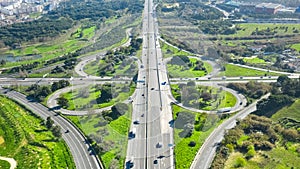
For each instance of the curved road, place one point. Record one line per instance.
(81, 151)
(206, 153)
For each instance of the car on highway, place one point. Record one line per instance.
(132, 133)
(159, 145)
(155, 162)
(152, 88)
(129, 164)
(136, 122)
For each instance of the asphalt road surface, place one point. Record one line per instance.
(207, 151)
(150, 147)
(81, 151)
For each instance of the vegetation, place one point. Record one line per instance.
(191, 129)
(252, 90)
(256, 142)
(97, 96)
(234, 70)
(183, 66)
(26, 139)
(170, 51)
(202, 97)
(39, 93)
(289, 90)
(116, 63)
(108, 133)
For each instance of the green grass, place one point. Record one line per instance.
(255, 60)
(114, 142)
(177, 71)
(48, 51)
(248, 28)
(278, 158)
(296, 46)
(234, 70)
(224, 98)
(28, 141)
(4, 164)
(93, 69)
(170, 51)
(76, 102)
(292, 112)
(185, 154)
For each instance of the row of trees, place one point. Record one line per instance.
(41, 92)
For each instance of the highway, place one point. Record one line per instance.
(206, 153)
(150, 148)
(81, 151)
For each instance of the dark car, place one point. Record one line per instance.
(129, 164)
(155, 162)
(136, 122)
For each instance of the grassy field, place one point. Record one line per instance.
(233, 70)
(4, 164)
(254, 60)
(178, 71)
(224, 98)
(93, 69)
(28, 141)
(248, 28)
(185, 154)
(292, 112)
(296, 46)
(277, 158)
(170, 51)
(112, 137)
(77, 102)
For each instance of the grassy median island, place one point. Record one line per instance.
(202, 97)
(97, 96)
(170, 51)
(191, 130)
(28, 141)
(234, 70)
(185, 67)
(108, 133)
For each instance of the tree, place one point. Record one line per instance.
(62, 102)
(56, 130)
(240, 162)
(49, 122)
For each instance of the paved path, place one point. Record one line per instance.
(12, 162)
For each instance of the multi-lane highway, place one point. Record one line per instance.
(81, 151)
(150, 147)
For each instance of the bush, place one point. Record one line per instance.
(240, 162)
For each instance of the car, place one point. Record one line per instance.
(143, 95)
(136, 122)
(67, 131)
(152, 88)
(241, 77)
(155, 162)
(159, 145)
(129, 164)
(241, 103)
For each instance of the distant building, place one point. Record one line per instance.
(247, 8)
(286, 11)
(267, 8)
